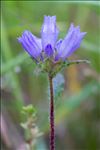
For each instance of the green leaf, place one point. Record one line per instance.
(29, 110)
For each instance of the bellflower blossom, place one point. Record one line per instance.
(47, 46)
(51, 55)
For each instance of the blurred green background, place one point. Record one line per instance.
(78, 108)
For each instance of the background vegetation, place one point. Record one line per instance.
(78, 107)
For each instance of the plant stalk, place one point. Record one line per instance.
(52, 126)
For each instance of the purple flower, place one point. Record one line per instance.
(48, 46)
(70, 43)
(49, 34)
(31, 44)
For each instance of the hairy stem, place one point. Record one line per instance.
(52, 131)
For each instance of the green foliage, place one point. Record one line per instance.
(29, 111)
(30, 127)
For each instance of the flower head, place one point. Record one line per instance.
(48, 46)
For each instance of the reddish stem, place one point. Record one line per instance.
(52, 131)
